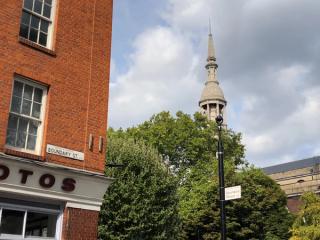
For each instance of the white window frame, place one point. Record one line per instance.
(25, 209)
(39, 140)
(51, 22)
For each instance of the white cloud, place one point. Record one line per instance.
(272, 96)
(316, 150)
(286, 139)
(268, 55)
(162, 71)
(188, 14)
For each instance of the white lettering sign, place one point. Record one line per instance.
(232, 193)
(65, 152)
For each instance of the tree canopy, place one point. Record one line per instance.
(307, 223)
(182, 140)
(260, 213)
(142, 201)
(188, 147)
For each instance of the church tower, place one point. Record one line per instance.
(212, 102)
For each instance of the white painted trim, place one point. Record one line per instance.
(10, 236)
(0, 214)
(21, 207)
(24, 224)
(51, 23)
(51, 195)
(26, 81)
(25, 209)
(82, 206)
(59, 225)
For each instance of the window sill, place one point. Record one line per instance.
(23, 154)
(37, 46)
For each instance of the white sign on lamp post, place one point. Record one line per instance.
(232, 193)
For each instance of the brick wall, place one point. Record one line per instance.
(79, 224)
(294, 204)
(77, 76)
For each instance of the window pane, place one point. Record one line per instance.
(21, 140)
(31, 144)
(13, 122)
(12, 222)
(33, 127)
(47, 11)
(33, 35)
(28, 90)
(24, 31)
(43, 39)
(28, 4)
(11, 137)
(44, 26)
(48, 2)
(22, 131)
(41, 225)
(36, 110)
(17, 89)
(23, 125)
(25, 18)
(35, 22)
(26, 107)
(37, 6)
(37, 95)
(16, 104)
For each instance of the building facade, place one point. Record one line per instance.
(295, 178)
(212, 102)
(54, 79)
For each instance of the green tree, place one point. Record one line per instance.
(260, 214)
(307, 223)
(182, 140)
(198, 201)
(142, 201)
(188, 145)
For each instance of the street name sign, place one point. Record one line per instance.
(65, 152)
(232, 193)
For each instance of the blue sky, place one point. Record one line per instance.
(268, 54)
(131, 18)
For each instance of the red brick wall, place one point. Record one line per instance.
(77, 77)
(294, 204)
(79, 224)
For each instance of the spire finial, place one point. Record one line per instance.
(211, 51)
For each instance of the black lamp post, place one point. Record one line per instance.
(219, 121)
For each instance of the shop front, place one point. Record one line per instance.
(40, 200)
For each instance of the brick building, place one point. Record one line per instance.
(295, 178)
(54, 78)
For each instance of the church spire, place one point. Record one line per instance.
(211, 65)
(212, 102)
(211, 51)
